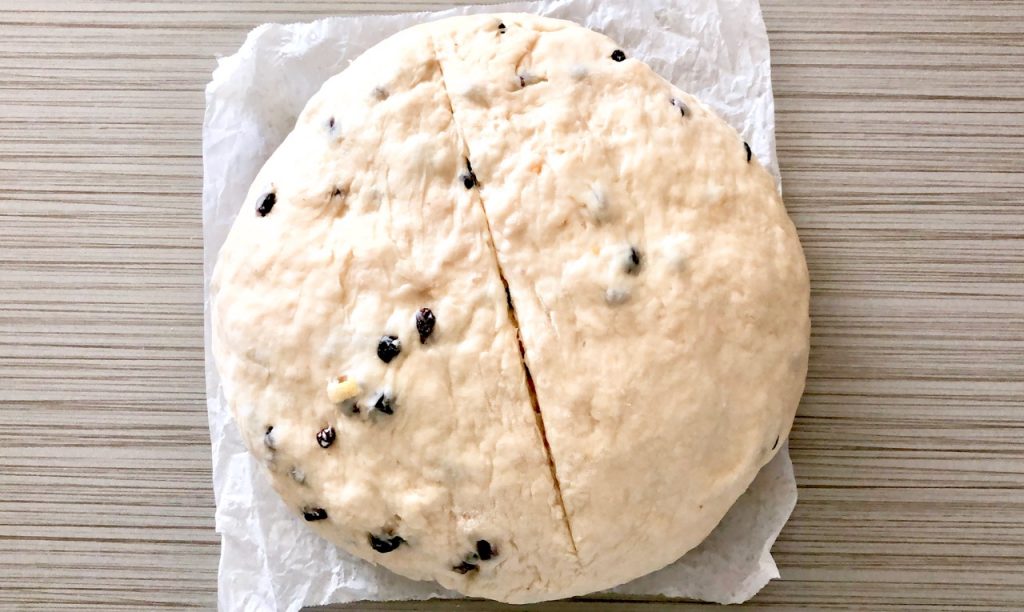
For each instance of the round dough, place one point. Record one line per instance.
(619, 306)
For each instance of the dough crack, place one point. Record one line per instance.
(537, 414)
(512, 317)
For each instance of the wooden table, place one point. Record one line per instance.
(901, 139)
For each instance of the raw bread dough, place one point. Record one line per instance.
(588, 427)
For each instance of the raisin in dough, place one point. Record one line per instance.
(597, 423)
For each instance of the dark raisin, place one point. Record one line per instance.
(425, 322)
(501, 28)
(680, 105)
(325, 437)
(776, 443)
(388, 347)
(385, 544)
(314, 514)
(383, 404)
(268, 438)
(330, 123)
(618, 55)
(522, 81)
(465, 567)
(469, 178)
(485, 551)
(634, 261)
(266, 204)
(749, 153)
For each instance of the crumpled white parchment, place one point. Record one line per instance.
(714, 49)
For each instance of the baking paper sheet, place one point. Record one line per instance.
(714, 49)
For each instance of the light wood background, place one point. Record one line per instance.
(901, 140)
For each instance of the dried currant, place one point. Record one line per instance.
(425, 322)
(384, 543)
(683, 109)
(325, 437)
(266, 204)
(465, 567)
(314, 514)
(469, 177)
(633, 262)
(384, 404)
(388, 347)
(484, 550)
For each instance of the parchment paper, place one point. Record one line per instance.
(714, 49)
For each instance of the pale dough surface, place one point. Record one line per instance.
(658, 287)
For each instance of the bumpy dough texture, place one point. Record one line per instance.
(657, 284)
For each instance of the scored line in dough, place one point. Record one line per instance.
(512, 317)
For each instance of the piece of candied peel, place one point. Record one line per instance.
(341, 389)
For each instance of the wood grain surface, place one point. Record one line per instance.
(901, 140)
